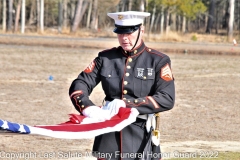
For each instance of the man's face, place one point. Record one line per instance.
(127, 41)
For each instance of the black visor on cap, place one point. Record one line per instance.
(125, 29)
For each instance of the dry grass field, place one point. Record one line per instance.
(206, 115)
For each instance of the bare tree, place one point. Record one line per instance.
(211, 16)
(42, 16)
(123, 5)
(157, 22)
(65, 18)
(174, 21)
(33, 15)
(81, 8)
(4, 18)
(77, 16)
(94, 22)
(162, 21)
(72, 10)
(60, 16)
(89, 13)
(23, 16)
(167, 21)
(17, 15)
(142, 6)
(10, 15)
(130, 5)
(153, 18)
(184, 24)
(231, 19)
(217, 17)
(238, 2)
(38, 15)
(1, 8)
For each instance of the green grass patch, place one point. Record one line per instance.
(194, 38)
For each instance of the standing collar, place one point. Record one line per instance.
(135, 51)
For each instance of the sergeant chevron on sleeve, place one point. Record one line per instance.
(133, 76)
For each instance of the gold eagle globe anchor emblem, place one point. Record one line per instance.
(120, 17)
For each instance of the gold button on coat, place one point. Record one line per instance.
(124, 91)
(135, 51)
(130, 60)
(135, 100)
(125, 82)
(128, 67)
(127, 74)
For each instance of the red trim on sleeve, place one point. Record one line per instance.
(153, 102)
(76, 92)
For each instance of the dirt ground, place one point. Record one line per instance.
(206, 115)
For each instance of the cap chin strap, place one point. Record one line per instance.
(137, 39)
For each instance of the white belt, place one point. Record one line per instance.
(143, 116)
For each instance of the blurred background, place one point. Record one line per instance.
(218, 20)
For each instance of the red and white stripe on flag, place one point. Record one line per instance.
(80, 127)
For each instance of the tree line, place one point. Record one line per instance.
(204, 16)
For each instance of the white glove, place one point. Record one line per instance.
(96, 113)
(113, 107)
(151, 122)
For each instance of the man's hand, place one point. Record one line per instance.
(106, 112)
(113, 107)
(96, 113)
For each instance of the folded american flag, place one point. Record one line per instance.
(78, 127)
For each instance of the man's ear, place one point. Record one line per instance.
(142, 29)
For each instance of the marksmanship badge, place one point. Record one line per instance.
(150, 71)
(140, 72)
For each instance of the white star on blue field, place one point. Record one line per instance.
(14, 127)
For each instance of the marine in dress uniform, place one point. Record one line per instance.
(141, 78)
